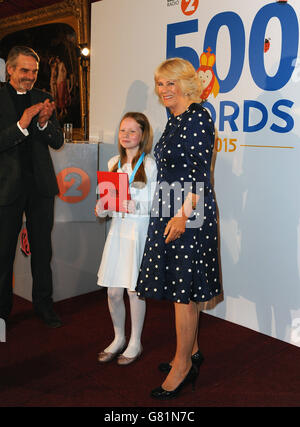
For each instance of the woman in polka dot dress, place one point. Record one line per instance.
(180, 261)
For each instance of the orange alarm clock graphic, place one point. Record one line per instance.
(206, 74)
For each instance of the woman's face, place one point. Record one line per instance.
(130, 134)
(171, 95)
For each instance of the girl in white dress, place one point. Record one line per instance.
(125, 242)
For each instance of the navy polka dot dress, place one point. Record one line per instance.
(186, 269)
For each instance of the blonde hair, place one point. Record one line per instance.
(145, 145)
(184, 73)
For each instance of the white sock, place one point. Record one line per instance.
(137, 311)
(116, 307)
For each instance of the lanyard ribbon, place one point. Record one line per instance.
(138, 164)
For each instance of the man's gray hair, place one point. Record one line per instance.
(15, 52)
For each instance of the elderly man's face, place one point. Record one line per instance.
(24, 74)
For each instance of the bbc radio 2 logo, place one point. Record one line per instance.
(188, 7)
(74, 185)
(2, 330)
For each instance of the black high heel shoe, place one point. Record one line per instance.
(197, 360)
(161, 394)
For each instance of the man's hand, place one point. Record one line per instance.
(46, 112)
(29, 113)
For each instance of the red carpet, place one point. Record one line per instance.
(44, 367)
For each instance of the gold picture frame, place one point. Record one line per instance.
(73, 13)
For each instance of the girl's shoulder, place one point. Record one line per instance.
(149, 161)
(113, 161)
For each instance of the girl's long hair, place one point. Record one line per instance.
(145, 145)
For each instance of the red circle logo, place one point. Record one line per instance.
(74, 181)
(189, 7)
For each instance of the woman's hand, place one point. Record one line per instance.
(175, 228)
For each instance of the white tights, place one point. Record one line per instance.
(117, 311)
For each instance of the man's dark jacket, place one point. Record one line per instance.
(11, 139)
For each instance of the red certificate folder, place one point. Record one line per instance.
(113, 189)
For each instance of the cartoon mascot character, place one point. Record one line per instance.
(207, 75)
